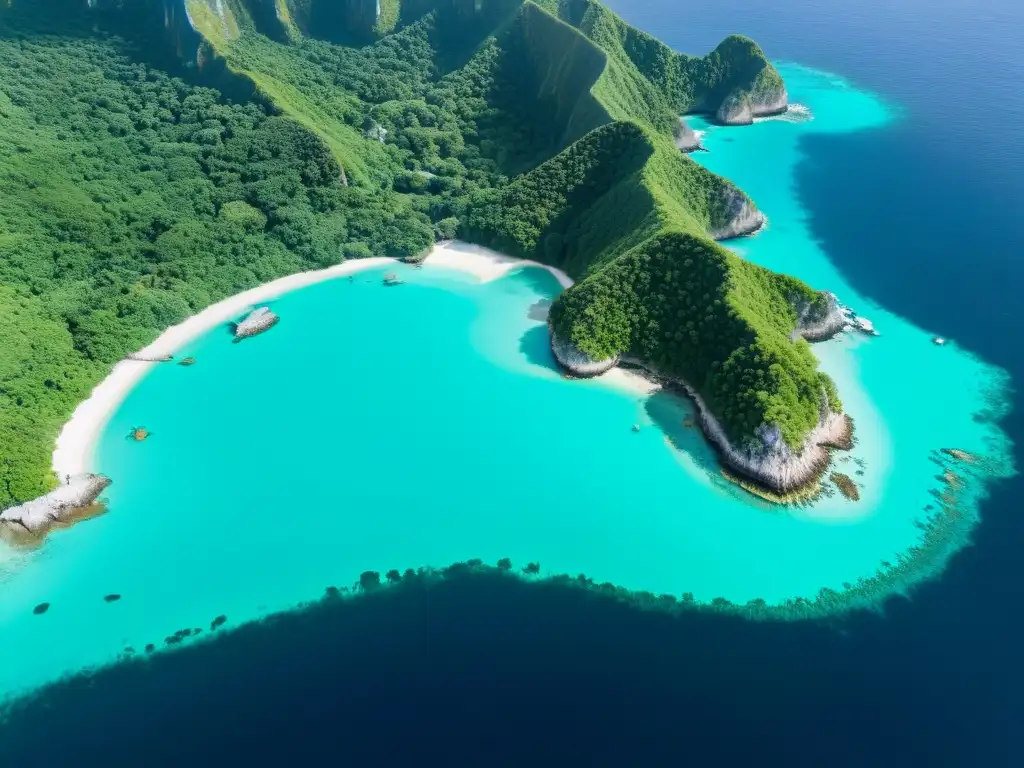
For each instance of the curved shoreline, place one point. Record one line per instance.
(782, 473)
(76, 443)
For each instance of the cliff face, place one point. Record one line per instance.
(766, 459)
(816, 324)
(733, 214)
(576, 362)
(686, 139)
(741, 107)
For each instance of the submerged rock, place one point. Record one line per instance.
(62, 504)
(257, 321)
(846, 486)
(964, 456)
(220, 621)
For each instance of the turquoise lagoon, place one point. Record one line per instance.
(421, 425)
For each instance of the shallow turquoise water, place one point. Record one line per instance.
(383, 428)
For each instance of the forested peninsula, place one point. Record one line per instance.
(157, 156)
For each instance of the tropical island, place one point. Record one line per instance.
(161, 156)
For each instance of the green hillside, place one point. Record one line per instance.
(153, 161)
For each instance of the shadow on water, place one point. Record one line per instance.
(675, 416)
(926, 250)
(536, 347)
(484, 669)
(540, 281)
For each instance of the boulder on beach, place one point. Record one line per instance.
(257, 321)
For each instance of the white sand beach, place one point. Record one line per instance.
(75, 444)
(484, 263)
(73, 454)
(489, 265)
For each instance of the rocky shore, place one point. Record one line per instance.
(60, 506)
(257, 321)
(740, 108)
(767, 461)
(576, 362)
(814, 324)
(686, 139)
(737, 216)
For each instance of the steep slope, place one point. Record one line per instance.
(735, 82)
(543, 128)
(129, 200)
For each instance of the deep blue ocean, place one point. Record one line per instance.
(919, 216)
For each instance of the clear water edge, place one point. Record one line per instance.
(456, 396)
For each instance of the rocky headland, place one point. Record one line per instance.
(577, 362)
(741, 107)
(687, 139)
(737, 216)
(766, 460)
(61, 506)
(815, 323)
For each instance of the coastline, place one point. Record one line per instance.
(73, 454)
(75, 445)
(782, 474)
(484, 263)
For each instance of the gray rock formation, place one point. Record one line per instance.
(736, 215)
(37, 516)
(767, 459)
(815, 324)
(257, 321)
(686, 139)
(741, 107)
(576, 362)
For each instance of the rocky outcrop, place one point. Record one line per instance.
(576, 362)
(686, 139)
(741, 107)
(257, 321)
(766, 460)
(62, 505)
(815, 323)
(733, 214)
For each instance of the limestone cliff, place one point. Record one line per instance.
(741, 107)
(817, 323)
(686, 139)
(733, 214)
(766, 459)
(576, 362)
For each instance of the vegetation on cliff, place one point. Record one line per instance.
(132, 196)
